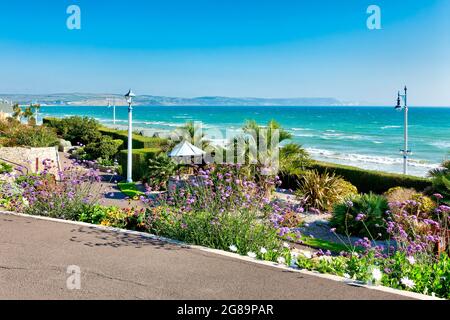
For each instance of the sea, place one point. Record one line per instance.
(366, 137)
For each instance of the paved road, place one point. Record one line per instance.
(35, 254)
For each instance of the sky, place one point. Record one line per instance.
(238, 48)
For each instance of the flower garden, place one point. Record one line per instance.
(403, 233)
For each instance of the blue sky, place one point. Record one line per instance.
(263, 48)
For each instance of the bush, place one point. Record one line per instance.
(5, 167)
(139, 141)
(441, 180)
(410, 200)
(66, 198)
(361, 215)
(365, 180)
(76, 129)
(31, 136)
(322, 191)
(140, 161)
(160, 169)
(105, 148)
(243, 229)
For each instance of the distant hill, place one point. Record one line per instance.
(89, 99)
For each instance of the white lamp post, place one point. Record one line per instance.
(129, 97)
(405, 150)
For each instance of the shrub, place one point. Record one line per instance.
(160, 169)
(66, 198)
(365, 180)
(140, 161)
(105, 148)
(241, 228)
(5, 167)
(30, 136)
(139, 141)
(441, 180)
(413, 202)
(76, 129)
(361, 215)
(322, 191)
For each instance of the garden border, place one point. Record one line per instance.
(408, 294)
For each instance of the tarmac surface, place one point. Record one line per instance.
(35, 256)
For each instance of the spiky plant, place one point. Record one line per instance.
(441, 180)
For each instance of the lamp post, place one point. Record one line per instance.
(129, 97)
(405, 151)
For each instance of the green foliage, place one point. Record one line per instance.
(441, 180)
(93, 214)
(347, 217)
(322, 191)
(160, 169)
(76, 129)
(130, 189)
(140, 161)
(243, 229)
(293, 159)
(139, 141)
(30, 136)
(105, 148)
(5, 167)
(428, 276)
(372, 181)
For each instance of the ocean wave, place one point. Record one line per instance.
(363, 158)
(390, 127)
(441, 144)
(301, 129)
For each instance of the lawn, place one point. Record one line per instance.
(130, 189)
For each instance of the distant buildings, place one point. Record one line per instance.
(6, 109)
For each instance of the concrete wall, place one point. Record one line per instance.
(27, 157)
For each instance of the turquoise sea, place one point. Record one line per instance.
(367, 137)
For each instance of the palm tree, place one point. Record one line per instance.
(28, 114)
(193, 134)
(262, 144)
(159, 170)
(441, 179)
(293, 159)
(17, 112)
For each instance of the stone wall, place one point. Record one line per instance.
(30, 157)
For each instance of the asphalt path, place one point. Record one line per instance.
(40, 260)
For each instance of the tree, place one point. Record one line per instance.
(17, 112)
(441, 180)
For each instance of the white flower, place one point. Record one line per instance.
(251, 254)
(281, 260)
(377, 275)
(285, 244)
(307, 254)
(411, 259)
(25, 202)
(346, 275)
(233, 248)
(407, 282)
(263, 250)
(294, 254)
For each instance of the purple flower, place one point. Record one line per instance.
(360, 217)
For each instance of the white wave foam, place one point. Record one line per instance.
(390, 127)
(362, 158)
(441, 144)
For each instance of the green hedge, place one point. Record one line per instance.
(139, 142)
(140, 161)
(365, 180)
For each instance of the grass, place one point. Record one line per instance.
(130, 189)
(324, 244)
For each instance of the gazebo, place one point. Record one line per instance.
(185, 152)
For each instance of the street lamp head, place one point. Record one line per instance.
(398, 106)
(129, 96)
